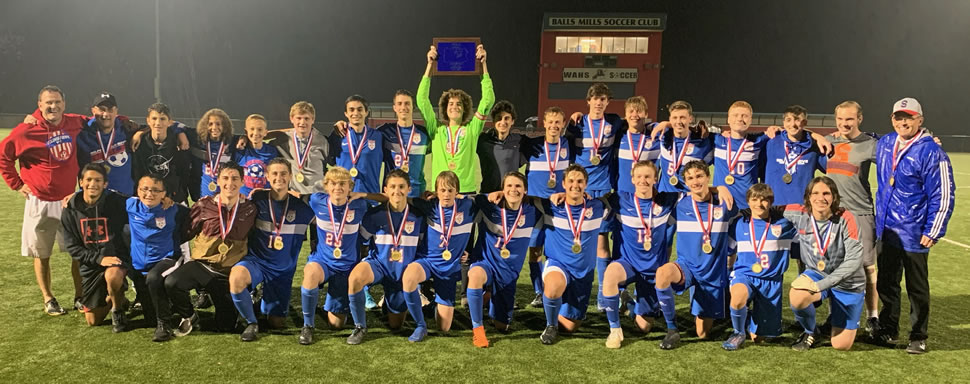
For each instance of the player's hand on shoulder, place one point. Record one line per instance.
(30, 120)
(66, 199)
(658, 130)
(574, 118)
(183, 140)
(167, 202)
(702, 129)
(725, 195)
(772, 131)
(557, 198)
(496, 197)
(340, 127)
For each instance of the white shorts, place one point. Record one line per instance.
(42, 225)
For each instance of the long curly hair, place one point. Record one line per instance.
(202, 128)
(466, 106)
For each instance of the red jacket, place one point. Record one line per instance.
(47, 155)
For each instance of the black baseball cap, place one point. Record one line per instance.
(105, 99)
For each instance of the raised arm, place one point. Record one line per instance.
(423, 99)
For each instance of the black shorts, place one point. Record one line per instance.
(94, 290)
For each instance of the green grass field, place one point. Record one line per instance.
(37, 348)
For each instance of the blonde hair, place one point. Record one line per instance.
(256, 117)
(449, 178)
(301, 107)
(741, 104)
(637, 102)
(849, 103)
(202, 128)
(337, 175)
(680, 104)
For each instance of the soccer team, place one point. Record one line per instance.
(591, 177)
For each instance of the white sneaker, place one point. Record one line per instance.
(615, 339)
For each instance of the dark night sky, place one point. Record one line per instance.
(257, 56)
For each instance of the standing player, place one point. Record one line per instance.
(500, 252)
(396, 228)
(914, 204)
(738, 160)
(681, 146)
(105, 140)
(830, 249)
(274, 246)
(635, 144)
(759, 271)
(360, 150)
(160, 156)
(406, 143)
(215, 146)
(255, 157)
(645, 225)
(702, 253)
(304, 147)
(791, 159)
(500, 150)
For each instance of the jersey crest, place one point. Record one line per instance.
(160, 222)
(409, 226)
(60, 145)
(776, 230)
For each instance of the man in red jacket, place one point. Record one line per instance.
(48, 173)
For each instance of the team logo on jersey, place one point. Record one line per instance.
(415, 138)
(159, 165)
(349, 216)
(160, 222)
(690, 148)
(60, 145)
(459, 217)
(607, 129)
(409, 227)
(776, 230)
(117, 155)
(718, 213)
(291, 215)
(657, 209)
(371, 144)
(522, 221)
(589, 213)
(563, 153)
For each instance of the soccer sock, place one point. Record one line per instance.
(551, 307)
(357, 309)
(612, 310)
(601, 265)
(413, 300)
(535, 273)
(739, 318)
(244, 304)
(666, 298)
(806, 317)
(309, 298)
(475, 305)
(873, 313)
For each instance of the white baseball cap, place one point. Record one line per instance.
(908, 105)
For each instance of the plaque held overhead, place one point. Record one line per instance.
(456, 56)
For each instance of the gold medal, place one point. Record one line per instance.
(354, 172)
(446, 255)
(821, 265)
(707, 248)
(551, 183)
(892, 181)
(673, 180)
(577, 248)
(278, 243)
(212, 186)
(223, 248)
(405, 167)
(299, 177)
(397, 255)
(647, 245)
(505, 253)
(729, 180)
(594, 159)
(756, 268)
(337, 253)
(786, 178)
(452, 165)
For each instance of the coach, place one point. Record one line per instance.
(913, 206)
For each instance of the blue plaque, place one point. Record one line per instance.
(456, 56)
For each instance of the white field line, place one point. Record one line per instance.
(955, 243)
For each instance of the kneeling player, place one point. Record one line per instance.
(760, 267)
(832, 253)
(274, 247)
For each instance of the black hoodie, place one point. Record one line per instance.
(92, 232)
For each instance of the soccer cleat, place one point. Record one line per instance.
(162, 332)
(479, 338)
(872, 325)
(805, 342)
(51, 307)
(916, 347)
(424, 299)
(357, 336)
(78, 306)
(537, 302)
(615, 339)
(671, 341)
(119, 322)
(202, 301)
(825, 328)
(550, 335)
(418, 335)
(187, 325)
(306, 335)
(882, 338)
(251, 333)
(734, 342)
(370, 303)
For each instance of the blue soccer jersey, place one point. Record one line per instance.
(739, 161)
(657, 213)
(458, 220)
(541, 168)
(406, 145)
(488, 249)
(799, 160)
(253, 162)
(693, 231)
(765, 253)
(395, 237)
(634, 147)
(676, 152)
(350, 214)
(216, 154)
(599, 136)
(566, 224)
(154, 232)
(110, 149)
(288, 220)
(364, 152)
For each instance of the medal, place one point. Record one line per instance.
(446, 255)
(647, 244)
(277, 228)
(892, 181)
(576, 228)
(786, 178)
(213, 163)
(756, 268)
(898, 154)
(453, 146)
(707, 248)
(223, 248)
(676, 160)
(224, 228)
(710, 223)
(299, 177)
(673, 180)
(337, 253)
(821, 245)
(552, 161)
(355, 151)
(396, 253)
(353, 172)
(337, 229)
(790, 166)
(404, 167)
(105, 150)
(405, 150)
(577, 248)
(732, 161)
(552, 182)
(301, 156)
(278, 243)
(507, 233)
(756, 246)
(729, 180)
(445, 230)
(212, 186)
(505, 253)
(452, 166)
(594, 159)
(646, 223)
(597, 139)
(821, 265)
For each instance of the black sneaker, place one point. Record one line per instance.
(162, 332)
(916, 347)
(824, 329)
(78, 306)
(187, 325)
(306, 335)
(537, 302)
(119, 322)
(251, 333)
(882, 338)
(550, 335)
(671, 341)
(202, 301)
(805, 342)
(51, 307)
(357, 336)
(872, 325)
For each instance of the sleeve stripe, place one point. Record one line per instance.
(945, 192)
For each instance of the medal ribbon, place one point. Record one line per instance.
(355, 153)
(790, 165)
(733, 160)
(764, 236)
(818, 240)
(898, 153)
(338, 231)
(272, 216)
(400, 140)
(223, 229)
(302, 156)
(111, 139)
(636, 154)
(453, 144)
(647, 224)
(597, 139)
(577, 230)
(672, 169)
(208, 150)
(507, 233)
(710, 217)
(396, 237)
(446, 230)
(552, 163)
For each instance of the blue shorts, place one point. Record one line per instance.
(393, 292)
(445, 286)
(845, 307)
(276, 287)
(647, 303)
(707, 300)
(575, 299)
(337, 301)
(538, 238)
(502, 303)
(765, 297)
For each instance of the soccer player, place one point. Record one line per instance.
(759, 269)
(500, 251)
(361, 148)
(645, 225)
(406, 143)
(571, 230)
(792, 158)
(914, 203)
(738, 160)
(338, 223)
(105, 139)
(547, 158)
(454, 138)
(635, 145)
(304, 147)
(47, 159)
(213, 148)
(155, 232)
(159, 155)
(93, 223)
(255, 157)
(220, 225)
(449, 225)
(274, 247)
(830, 249)
(702, 253)
(500, 150)
(681, 146)
(395, 227)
